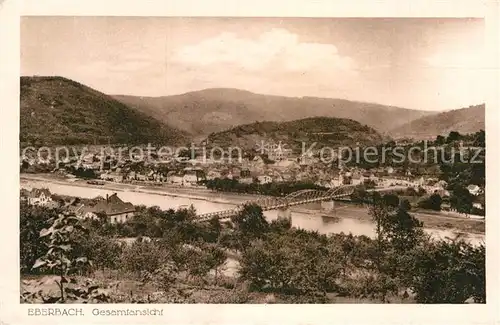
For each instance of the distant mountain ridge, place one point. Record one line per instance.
(324, 131)
(56, 110)
(465, 120)
(213, 110)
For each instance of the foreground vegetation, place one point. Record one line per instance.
(175, 259)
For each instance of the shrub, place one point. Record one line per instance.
(433, 202)
(142, 256)
(32, 220)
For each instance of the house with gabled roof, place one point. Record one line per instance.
(112, 207)
(39, 196)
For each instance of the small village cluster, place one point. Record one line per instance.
(284, 167)
(279, 165)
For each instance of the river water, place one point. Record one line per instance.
(302, 220)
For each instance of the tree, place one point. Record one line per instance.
(433, 202)
(213, 230)
(143, 256)
(453, 136)
(405, 205)
(450, 272)
(440, 140)
(199, 259)
(461, 199)
(391, 200)
(379, 211)
(479, 140)
(250, 222)
(186, 154)
(403, 231)
(398, 234)
(180, 224)
(215, 257)
(359, 195)
(280, 225)
(103, 251)
(296, 262)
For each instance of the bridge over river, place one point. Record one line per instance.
(283, 204)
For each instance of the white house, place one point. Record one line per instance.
(477, 205)
(39, 197)
(245, 180)
(474, 189)
(114, 177)
(265, 179)
(131, 176)
(190, 178)
(175, 179)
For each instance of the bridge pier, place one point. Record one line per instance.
(285, 213)
(328, 205)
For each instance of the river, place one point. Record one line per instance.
(300, 219)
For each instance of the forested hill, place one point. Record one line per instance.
(465, 120)
(56, 110)
(216, 109)
(325, 131)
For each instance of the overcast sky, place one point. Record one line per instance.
(431, 64)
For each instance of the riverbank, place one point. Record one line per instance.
(195, 193)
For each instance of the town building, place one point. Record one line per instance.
(174, 178)
(474, 189)
(112, 207)
(131, 176)
(264, 179)
(477, 205)
(37, 196)
(113, 177)
(277, 152)
(245, 180)
(189, 178)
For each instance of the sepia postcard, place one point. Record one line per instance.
(220, 163)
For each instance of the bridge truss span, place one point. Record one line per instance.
(293, 199)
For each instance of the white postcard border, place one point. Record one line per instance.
(13, 313)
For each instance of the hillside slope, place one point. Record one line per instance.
(212, 110)
(56, 110)
(325, 131)
(464, 120)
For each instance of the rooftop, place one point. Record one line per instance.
(111, 205)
